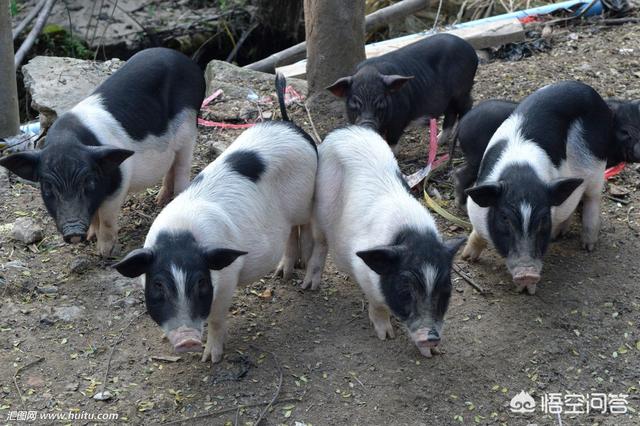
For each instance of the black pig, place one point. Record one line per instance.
(425, 79)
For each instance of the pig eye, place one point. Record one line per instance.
(355, 103)
(46, 189)
(90, 185)
(203, 286)
(158, 289)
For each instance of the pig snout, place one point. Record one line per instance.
(185, 339)
(526, 277)
(74, 232)
(426, 340)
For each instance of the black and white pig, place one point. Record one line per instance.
(476, 128)
(136, 127)
(229, 227)
(381, 236)
(549, 155)
(425, 79)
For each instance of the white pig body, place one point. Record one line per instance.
(229, 227)
(362, 203)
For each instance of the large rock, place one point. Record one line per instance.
(244, 91)
(56, 84)
(27, 230)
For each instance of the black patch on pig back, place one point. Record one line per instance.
(550, 112)
(490, 158)
(247, 163)
(150, 89)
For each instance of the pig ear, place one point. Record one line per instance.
(221, 258)
(23, 164)
(393, 83)
(561, 189)
(486, 195)
(135, 263)
(340, 87)
(110, 158)
(382, 260)
(454, 244)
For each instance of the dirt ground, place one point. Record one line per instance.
(579, 334)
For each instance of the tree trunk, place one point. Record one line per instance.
(335, 40)
(9, 117)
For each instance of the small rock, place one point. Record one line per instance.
(47, 320)
(27, 230)
(617, 191)
(103, 396)
(79, 265)
(16, 264)
(67, 313)
(35, 381)
(47, 289)
(71, 387)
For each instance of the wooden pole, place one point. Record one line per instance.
(9, 116)
(335, 40)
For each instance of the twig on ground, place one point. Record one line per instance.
(27, 19)
(18, 371)
(113, 349)
(229, 410)
(235, 421)
(467, 278)
(27, 44)
(277, 392)
(313, 126)
(617, 200)
(619, 21)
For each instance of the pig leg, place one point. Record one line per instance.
(318, 258)
(217, 324)
(166, 190)
(561, 229)
(379, 314)
(463, 178)
(474, 247)
(286, 265)
(93, 228)
(591, 217)
(447, 124)
(306, 245)
(107, 231)
(182, 167)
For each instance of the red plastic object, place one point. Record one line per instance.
(613, 171)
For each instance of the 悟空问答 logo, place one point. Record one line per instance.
(522, 403)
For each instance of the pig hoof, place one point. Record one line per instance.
(211, 354)
(531, 289)
(470, 253)
(163, 197)
(310, 284)
(284, 271)
(105, 249)
(384, 331)
(588, 246)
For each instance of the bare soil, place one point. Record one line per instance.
(578, 334)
